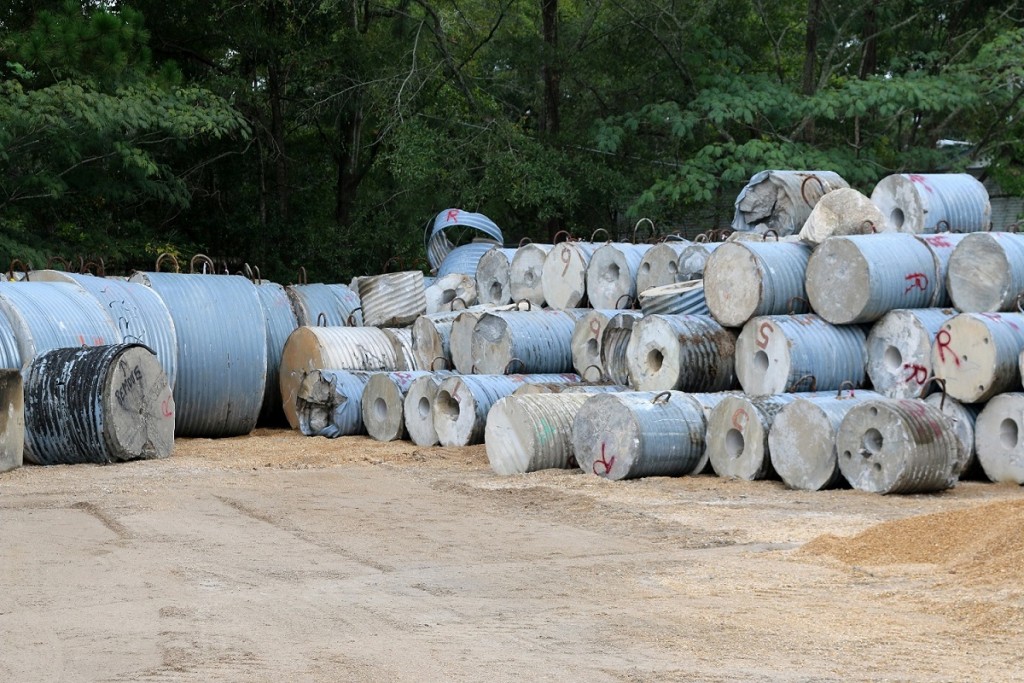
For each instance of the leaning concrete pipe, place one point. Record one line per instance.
(451, 292)
(782, 201)
(526, 273)
(843, 211)
(329, 402)
(977, 355)
(897, 446)
(962, 419)
(417, 408)
(494, 276)
(324, 305)
(899, 350)
(585, 343)
(564, 276)
(612, 273)
(12, 419)
(392, 299)
(383, 404)
(97, 404)
(615, 347)
(462, 402)
(747, 279)
(684, 352)
(680, 298)
(639, 434)
(997, 438)
(281, 322)
(524, 342)
(660, 264)
(530, 433)
(986, 272)
(738, 429)
(933, 202)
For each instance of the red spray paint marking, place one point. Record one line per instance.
(762, 334)
(921, 180)
(452, 217)
(166, 406)
(938, 241)
(918, 410)
(595, 327)
(918, 373)
(917, 281)
(996, 318)
(608, 464)
(942, 340)
(740, 420)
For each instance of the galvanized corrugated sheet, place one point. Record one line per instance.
(438, 245)
(392, 299)
(222, 351)
(464, 259)
(281, 322)
(681, 298)
(324, 305)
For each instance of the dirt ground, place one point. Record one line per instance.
(276, 557)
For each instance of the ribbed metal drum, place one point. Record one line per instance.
(986, 272)
(860, 278)
(460, 340)
(780, 353)
(53, 315)
(694, 258)
(526, 271)
(738, 429)
(456, 220)
(401, 340)
(97, 404)
(139, 313)
(281, 322)
(569, 388)
(897, 446)
(611, 275)
(452, 292)
(933, 202)
(639, 434)
(324, 305)
(942, 246)
(782, 200)
(338, 348)
(383, 404)
(464, 259)
(680, 298)
(524, 342)
(899, 350)
(462, 402)
(707, 402)
(564, 276)
(430, 338)
(660, 265)
(586, 343)
(962, 418)
(531, 433)
(10, 355)
(747, 279)
(494, 276)
(418, 405)
(802, 439)
(615, 346)
(843, 211)
(392, 299)
(977, 355)
(222, 351)
(998, 438)
(684, 352)
(12, 419)
(329, 403)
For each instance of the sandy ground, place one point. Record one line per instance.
(276, 557)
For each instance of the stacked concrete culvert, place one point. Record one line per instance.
(747, 279)
(383, 404)
(524, 342)
(494, 276)
(612, 274)
(615, 346)
(526, 273)
(977, 354)
(325, 305)
(660, 264)
(533, 432)
(986, 272)
(962, 419)
(683, 352)
(694, 258)
(431, 335)
(417, 408)
(999, 438)
(564, 276)
(933, 202)
(12, 419)
(899, 350)
(738, 429)
(586, 343)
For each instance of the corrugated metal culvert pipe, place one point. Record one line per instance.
(747, 279)
(324, 305)
(439, 245)
(524, 342)
(533, 432)
(684, 352)
(680, 298)
(281, 322)
(933, 202)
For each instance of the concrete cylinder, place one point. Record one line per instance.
(660, 265)
(401, 342)
(452, 292)
(843, 211)
(933, 202)
(986, 272)
(738, 429)
(431, 335)
(524, 342)
(612, 273)
(460, 341)
(962, 418)
(564, 277)
(383, 404)
(942, 246)
(494, 277)
(686, 352)
(418, 408)
(747, 279)
(998, 438)
(694, 258)
(586, 342)
(978, 355)
(899, 350)
(680, 298)
(525, 273)
(392, 299)
(533, 432)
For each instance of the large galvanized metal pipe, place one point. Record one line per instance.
(568, 388)
(802, 439)
(222, 351)
(10, 354)
(860, 278)
(494, 276)
(417, 408)
(639, 434)
(747, 279)
(526, 273)
(942, 246)
(451, 292)
(437, 243)
(524, 342)
(612, 273)
(843, 211)
(97, 404)
(986, 272)
(281, 322)
(383, 404)
(899, 350)
(615, 348)
(998, 438)
(564, 276)
(12, 419)
(586, 342)
(680, 298)
(933, 202)
(139, 313)
(978, 355)
(465, 259)
(738, 429)
(660, 265)
(707, 402)
(962, 418)
(324, 305)
(782, 200)
(338, 348)
(684, 352)
(783, 353)
(897, 446)
(462, 402)
(328, 402)
(693, 260)
(531, 433)
(392, 299)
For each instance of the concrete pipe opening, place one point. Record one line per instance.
(655, 360)
(592, 350)
(611, 273)
(380, 408)
(896, 217)
(893, 358)
(734, 443)
(872, 441)
(761, 361)
(645, 267)
(673, 267)
(447, 405)
(423, 408)
(1009, 433)
(530, 277)
(447, 296)
(497, 292)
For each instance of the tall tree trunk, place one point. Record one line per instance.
(550, 122)
(350, 128)
(869, 54)
(810, 58)
(274, 89)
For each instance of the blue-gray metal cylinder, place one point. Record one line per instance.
(524, 342)
(899, 351)
(564, 276)
(860, 278)
(329, 403)
(532, 432)
(587, 336)
(986, 272)
(746, 279)
(324, 305)
(681, 298)
(977, 354)
(942, 246)
(782, 200)
(684, 352)
(738, 429)
(526, 271)
(54, 315)
(660, 265)
(783, 353)
(639, 434)
(462, 402)
(281, 322)
(612, 273)
(222, 351)
(97, 404)
(10, 355)
(962, 419)
(392, 299)
(494, 276)
(897, 446)
(933, 202)
(464, 259)
(615, 347)
(439, 245)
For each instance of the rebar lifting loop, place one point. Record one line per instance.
(636, 227)
(321, 319)
(352, 322)
(942, 385)
(606, 234)
(791, 307)
(701, 238)
(770, 231)
(443, 360)
(460, 300)
(568, 237)
(846, 384)
(943, 226)
(529, 304)
(803, 189)
(600, 373)
(662, 398)
(629, 303)
(867, 226)
(303, 279)
(523, 242)
(160, 260)
(26, 269)
(206, 260)
(259, 277)
(509, 365)
(801, 380)
(57, 259)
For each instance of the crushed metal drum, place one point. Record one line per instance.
(328, 403)
(782, 201)
(530, 433)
